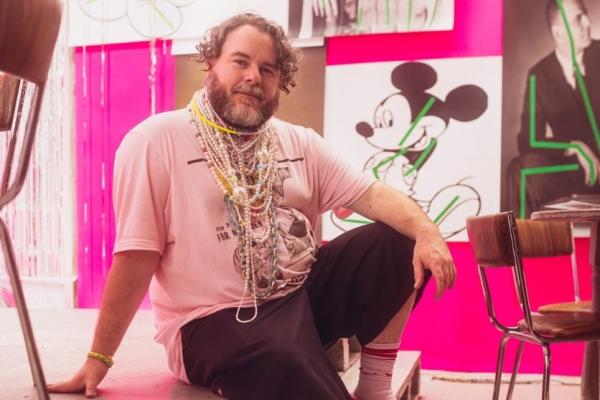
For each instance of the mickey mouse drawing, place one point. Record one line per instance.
(405, 130)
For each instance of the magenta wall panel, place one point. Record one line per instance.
(477, 33)
(113, 94)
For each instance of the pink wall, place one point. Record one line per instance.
(455, 333)
(103, 116)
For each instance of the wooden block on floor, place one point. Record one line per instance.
(405, 380)
(343, 354)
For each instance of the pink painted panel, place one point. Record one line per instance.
(112, 95)
(477, 32)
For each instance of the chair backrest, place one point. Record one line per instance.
(499, 240)
(9, 88)
(28, 31)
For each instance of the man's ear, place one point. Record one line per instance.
(558, 32)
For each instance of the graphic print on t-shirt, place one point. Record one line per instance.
(295, 245)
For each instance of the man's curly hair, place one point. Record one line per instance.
(209, 48)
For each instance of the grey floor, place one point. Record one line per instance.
(64, 336)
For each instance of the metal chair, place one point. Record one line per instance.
(501, 241)
(28, 33)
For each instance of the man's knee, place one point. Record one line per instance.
(385, 235)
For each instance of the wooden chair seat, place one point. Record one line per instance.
(569, 307)
(565, 325)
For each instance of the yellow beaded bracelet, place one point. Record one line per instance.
(105, 359)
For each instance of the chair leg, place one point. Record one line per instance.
(32, 354)
(515, 370)
(498, 378)
(546, 380)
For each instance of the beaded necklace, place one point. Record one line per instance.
(244, 166)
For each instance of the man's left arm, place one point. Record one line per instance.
(385, 204)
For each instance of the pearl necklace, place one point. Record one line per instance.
(244, 168)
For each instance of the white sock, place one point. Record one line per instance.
(376, 367)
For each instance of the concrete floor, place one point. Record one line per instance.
(64, 336)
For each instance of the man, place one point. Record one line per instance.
(563, 147)
(215, 205)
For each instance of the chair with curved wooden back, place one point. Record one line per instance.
(501, 241)
(28, 33)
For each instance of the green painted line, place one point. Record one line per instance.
(359, 17)
(445, 210)
(579, 77)
(422, 157)
(388, 160)
(590, 163)
(161, 15)
(434, 13)
(420, 116)
(403, 151)
(387, 14)
(410, 6)
(534, 143)
(588, 106)
(357, 221)
(532, 116)
(525, 172)
(539, 144)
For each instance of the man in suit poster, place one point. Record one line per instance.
(558, 136)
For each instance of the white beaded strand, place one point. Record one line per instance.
(244, 168)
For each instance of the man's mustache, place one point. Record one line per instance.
(253, 91)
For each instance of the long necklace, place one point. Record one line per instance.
(244, 168)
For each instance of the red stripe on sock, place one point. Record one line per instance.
(381, 353)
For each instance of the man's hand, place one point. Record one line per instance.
(86, 380)
(431, 252)
(128, 281)
(383, 203)
(588, 161)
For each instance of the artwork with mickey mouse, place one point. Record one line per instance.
(405, 134)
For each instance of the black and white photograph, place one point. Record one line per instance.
(320, 18)
(554, 75)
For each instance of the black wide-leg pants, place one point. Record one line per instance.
(357, 284)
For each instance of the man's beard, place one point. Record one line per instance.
(239, 116)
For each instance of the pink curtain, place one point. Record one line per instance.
(114, 88)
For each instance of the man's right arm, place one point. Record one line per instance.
(126, 285)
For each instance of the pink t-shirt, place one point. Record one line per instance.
(167, 200)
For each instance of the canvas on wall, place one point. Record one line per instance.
(428, 128)
(93, 22)
(319, 18)
(551, 103)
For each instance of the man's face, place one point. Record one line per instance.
(243, 83)
(579, 23)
